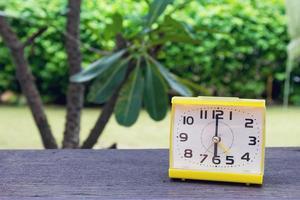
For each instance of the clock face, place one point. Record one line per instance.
(218, 138)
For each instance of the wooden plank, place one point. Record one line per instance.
(131, 174)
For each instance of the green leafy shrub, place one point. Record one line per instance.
(245, 44)
(131, 76)
(241, 43)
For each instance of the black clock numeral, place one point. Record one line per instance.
(220, 114)
(217, 114)
(204, 157)
(183, 137)
(188, 120)
(246, 157)
(229, 160)
(203, 114)
(188, 153)
(249, 123)
(230, 115)
(252, 141)
(216, 160)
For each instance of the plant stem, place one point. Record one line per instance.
(75, 94)
(27, 83)
(108, 108)
(104, 116)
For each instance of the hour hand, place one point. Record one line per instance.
(224, 148)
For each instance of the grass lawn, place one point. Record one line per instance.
(17, 129)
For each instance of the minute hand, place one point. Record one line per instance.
(216, 135)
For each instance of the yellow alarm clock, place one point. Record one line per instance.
(217, 139)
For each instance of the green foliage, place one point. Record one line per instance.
(294, 90)
(157, 7)
(170, 78)
(115, 27)
(105, 84)
(175, 31)
(47, 56)
(293, 49)
(234, 47)
(241, 44)
(130, 98)
(155, 93)
(132, 94)
(98, 67)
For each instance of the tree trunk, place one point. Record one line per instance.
(101, 122)
(75, 94)
(108, 108)
(27, 84)
(104, 116)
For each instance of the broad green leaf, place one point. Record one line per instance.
(117, 22)
(171, 24)
(130, 98)
(116, 26)
(170, 78)
(105, 85)
(175, 31)
(98, 67)
(155, 93)
(157, 7)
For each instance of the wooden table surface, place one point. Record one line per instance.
(132, 174)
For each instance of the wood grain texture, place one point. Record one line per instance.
(132, 174)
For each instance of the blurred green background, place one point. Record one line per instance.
(242, 52)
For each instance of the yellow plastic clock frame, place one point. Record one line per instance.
(217, 176)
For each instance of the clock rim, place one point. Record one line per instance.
(217, 101)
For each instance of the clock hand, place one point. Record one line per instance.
(216, 138)
(224, 148)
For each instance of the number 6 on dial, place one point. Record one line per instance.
(217, 139)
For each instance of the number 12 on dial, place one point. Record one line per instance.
(217, 139)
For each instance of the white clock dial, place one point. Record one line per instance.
(218, 138)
